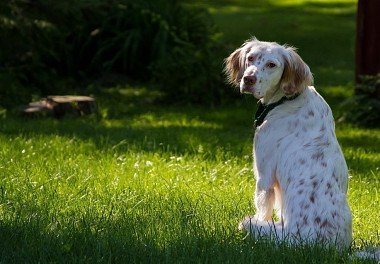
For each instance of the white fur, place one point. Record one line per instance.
(267, 77)
(298, 163)
(297, 157)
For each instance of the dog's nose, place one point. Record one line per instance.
(250, 80)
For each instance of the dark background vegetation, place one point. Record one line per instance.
(55, 47)
(173, 47)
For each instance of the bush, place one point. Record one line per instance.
(36, 51)
(365, 104)
(11, 91)
(191, 69)
(161, 40)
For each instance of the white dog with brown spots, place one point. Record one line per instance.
(298, 164)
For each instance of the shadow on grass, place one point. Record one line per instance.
(169, 139)
(137, 124)
(361, 151)
(324, 32)
(368, 142)
(134, 122)
(120, 242)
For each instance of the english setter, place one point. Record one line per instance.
(298, 164)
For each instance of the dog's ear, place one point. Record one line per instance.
(297, 75)
(234, 66)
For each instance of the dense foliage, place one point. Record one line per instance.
(365, 104)
(48, 46)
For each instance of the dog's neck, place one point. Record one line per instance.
(273, 95)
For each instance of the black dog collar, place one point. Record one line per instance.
(263, 110)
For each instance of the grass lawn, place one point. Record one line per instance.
(151, 183)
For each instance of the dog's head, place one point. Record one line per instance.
(259, 67)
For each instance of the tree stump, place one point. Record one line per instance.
(62, 105)
(72, 104)
(35, 109)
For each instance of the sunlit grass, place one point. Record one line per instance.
(129, 189)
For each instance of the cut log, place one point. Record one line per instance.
(72, 104)
(35, 109)
(62, 105)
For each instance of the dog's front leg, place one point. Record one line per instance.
(264, 199)
(261, 223)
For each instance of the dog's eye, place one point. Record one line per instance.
(250, 58)
(271, 65)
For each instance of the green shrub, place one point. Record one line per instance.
(190, 70)
(11, 91)
(165, 41)
(35, 49)
(365, 104)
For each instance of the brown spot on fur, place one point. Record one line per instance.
(328, 185)
(324, 164)
(302, 161)
(326, 224)
(315, 183)
(317, 155)
(334, 177)
(310, 113)
(312, 197)
(305, 220)
(321, 142)
(300, 191)
(317, 220)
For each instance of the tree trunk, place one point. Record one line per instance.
(368, 41)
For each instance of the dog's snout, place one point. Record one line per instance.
(250, 80)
